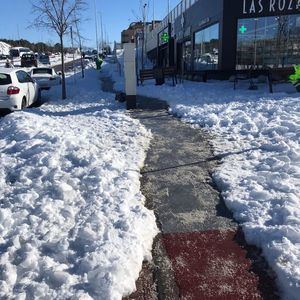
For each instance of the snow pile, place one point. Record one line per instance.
(72, 220)
(257, 135)
(56, 61)
(4, 48)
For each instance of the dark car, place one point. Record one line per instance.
(28, 60)
(44, 59)
(3, 56)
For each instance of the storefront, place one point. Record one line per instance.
(235, 34)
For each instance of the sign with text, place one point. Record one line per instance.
(262, 7)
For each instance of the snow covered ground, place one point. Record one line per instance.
(4, 48)
(55, 61)
(72, 220)
(257, 135)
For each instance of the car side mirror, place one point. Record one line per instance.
(59, 73)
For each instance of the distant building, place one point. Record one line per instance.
(129, 35)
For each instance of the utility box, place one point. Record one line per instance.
(130, 75)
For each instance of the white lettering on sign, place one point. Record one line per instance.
(281, 5)
(252, 7)
(261, 8)
(244, 7)
(272, 6)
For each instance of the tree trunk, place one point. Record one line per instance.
(63, 82)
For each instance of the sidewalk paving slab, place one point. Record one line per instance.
(201, 252)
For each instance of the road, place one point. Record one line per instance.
(68, 67)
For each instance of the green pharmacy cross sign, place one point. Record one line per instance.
(165, 37)
(243, 29)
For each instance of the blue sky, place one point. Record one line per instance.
(16, 16)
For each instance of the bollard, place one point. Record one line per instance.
(130, 75)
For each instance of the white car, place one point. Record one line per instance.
(45, 77)
(17, 89)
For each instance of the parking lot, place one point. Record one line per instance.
(55, 64)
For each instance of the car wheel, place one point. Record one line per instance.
(23, 103)
(39, 98)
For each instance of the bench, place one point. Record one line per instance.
(155, 73)
(238, 75)
(146, 74)
(250, 75)
(171, 72)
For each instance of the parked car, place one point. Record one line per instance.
(28, 60)
(17, 89)
(45, 77)
(89, 55)
(3, 56)
(17, 52)
(44, 59)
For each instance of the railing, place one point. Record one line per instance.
(170, 18)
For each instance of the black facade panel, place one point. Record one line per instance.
(205, 13)
(199, 15)
(263, 8)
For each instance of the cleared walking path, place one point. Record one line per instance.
(201, 252)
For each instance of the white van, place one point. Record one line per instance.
(17, 52)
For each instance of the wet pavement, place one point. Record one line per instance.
(201, 252)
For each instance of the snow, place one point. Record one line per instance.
(256, 134)
(56, 60)
(4, 48)
(72, 219)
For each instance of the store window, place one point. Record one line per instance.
(268, 41)
(187, 55)
(206, 49)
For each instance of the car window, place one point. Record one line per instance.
(14, 53)
(23, 77)
(5, 79)
(42, 71)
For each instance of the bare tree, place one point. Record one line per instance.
(58, 16)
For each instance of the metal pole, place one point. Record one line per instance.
(144, 33)
(101, 32)
(153, 25)
(72, 42)
(80, 48)
(96, 25)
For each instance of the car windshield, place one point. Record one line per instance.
(44, 57)
(42, 71)
(24, 51)
(14, 53)
(5, 79)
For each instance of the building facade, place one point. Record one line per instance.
(129, 35)
(228, 35)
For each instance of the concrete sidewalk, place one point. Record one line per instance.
(201, 252)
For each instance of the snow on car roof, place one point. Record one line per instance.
(7, 70)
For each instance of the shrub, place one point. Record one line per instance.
(295, 78)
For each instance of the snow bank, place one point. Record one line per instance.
(257, 136)
(72, 220)
(4, 48)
